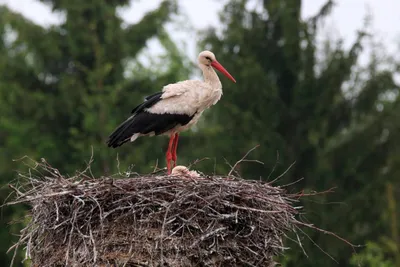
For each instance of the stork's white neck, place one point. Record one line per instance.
(211, 77)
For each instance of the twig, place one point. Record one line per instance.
(162, 236)
(15, 189)
(242, 159)
(155, 166)
(307, 225)
(197, 161)
(280, 176)
(276, 164)
(204, 237)
(323, 251)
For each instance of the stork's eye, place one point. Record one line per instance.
(208, 58)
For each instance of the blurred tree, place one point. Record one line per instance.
(316, 106)
(383, 252)
(372, 256)
(63, 89)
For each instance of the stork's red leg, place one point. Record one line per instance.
(169, 153)
(174, 148)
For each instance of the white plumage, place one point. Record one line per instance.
(175, 109)
(188, 97)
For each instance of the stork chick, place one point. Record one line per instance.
(184, 171)
(173, 110)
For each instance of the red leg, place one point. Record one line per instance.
(169, 153)
(174, 148)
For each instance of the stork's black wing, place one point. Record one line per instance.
(145, 122)
(149, 101)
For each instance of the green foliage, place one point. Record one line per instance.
(372, 256)
(384, 252)
(315, 106)
(63, 89)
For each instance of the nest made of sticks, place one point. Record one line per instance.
(152, 220)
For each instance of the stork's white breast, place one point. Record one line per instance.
(187, 97)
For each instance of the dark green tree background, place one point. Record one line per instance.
(63, 89)
(315, 106)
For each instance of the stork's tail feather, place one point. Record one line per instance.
(122, 134)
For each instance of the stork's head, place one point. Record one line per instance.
(208, 59)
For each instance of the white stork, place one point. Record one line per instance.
(175, 109)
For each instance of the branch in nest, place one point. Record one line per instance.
(243, 159)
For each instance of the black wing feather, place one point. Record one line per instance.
(150, 100)
(145, 122)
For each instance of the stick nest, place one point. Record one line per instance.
(151, 220)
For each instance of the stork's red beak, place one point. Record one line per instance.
(219, 67)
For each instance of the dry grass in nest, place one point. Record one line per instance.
(152, 220)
